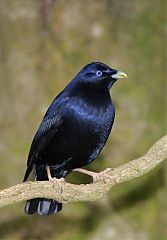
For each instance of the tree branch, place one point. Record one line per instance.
(66, 192)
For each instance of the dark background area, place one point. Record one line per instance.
(43, 44)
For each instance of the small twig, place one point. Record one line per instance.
(87, 192)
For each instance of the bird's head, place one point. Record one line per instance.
(97, 73)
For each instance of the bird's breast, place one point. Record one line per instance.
(87, 128)
(90, 123)
(83, 133)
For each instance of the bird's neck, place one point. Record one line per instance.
(93, 95)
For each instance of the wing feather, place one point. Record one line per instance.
(43, 137)
(46, 131)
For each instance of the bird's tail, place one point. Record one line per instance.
(42, 206)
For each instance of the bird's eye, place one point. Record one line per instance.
(99, 73)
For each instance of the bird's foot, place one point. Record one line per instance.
(102, 175)
(95, 176)
(58, 181)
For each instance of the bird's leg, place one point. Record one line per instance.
(87, 172)
(59, 181)
(95, 176)
(48, 173)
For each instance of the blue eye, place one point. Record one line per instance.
(99, 73)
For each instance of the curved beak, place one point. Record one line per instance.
(119, 74)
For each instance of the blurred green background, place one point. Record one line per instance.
(43, 44)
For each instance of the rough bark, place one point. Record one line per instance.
(66, 192)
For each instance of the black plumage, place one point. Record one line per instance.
(73, 130)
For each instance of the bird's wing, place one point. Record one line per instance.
(46, 131)
(43, 137)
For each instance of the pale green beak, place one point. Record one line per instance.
(119, 74)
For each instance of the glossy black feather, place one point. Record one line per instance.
(47, 130)
(73, 131)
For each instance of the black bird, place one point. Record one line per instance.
(73, 130)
